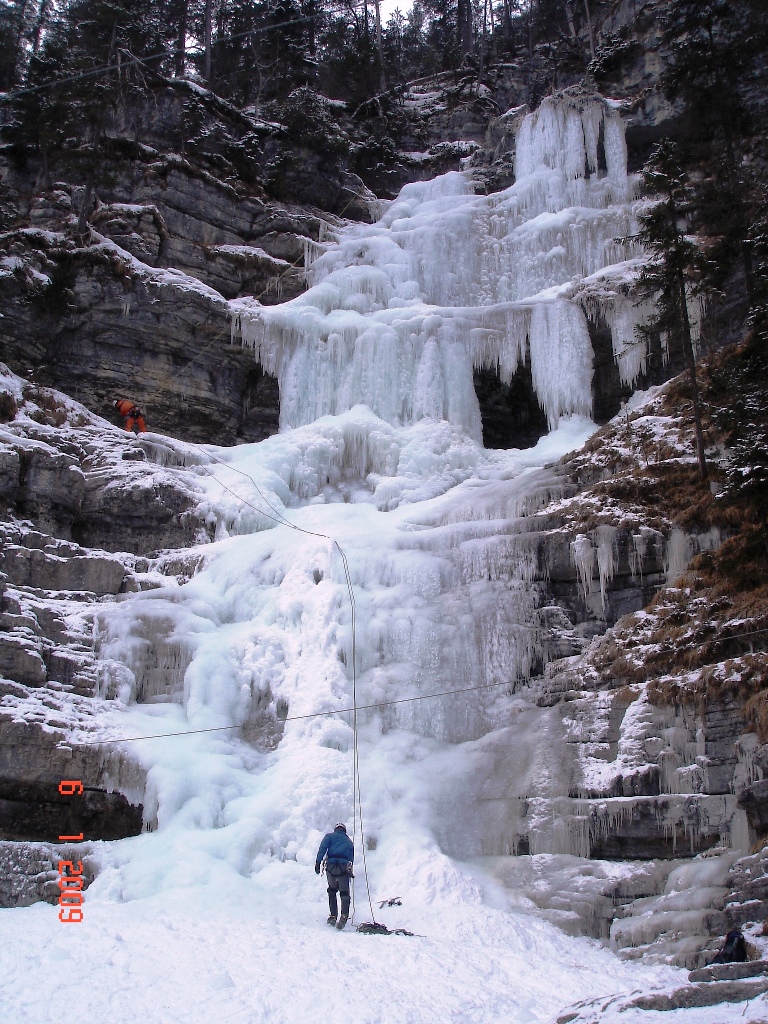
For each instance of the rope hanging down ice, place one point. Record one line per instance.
(278, 517)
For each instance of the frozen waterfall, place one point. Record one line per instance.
(380, 449)
(248, 653)
(225, 670)
(399, 313)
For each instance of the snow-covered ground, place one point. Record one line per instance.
(257, 951)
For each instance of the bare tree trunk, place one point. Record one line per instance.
(529, 63)
(483, 36)
(509, 43)
(379, 46)
(311, 25)
(44, 176)
(40, 22)
(691, 360)
(464, 26)
(181, 40)
(208, 34)
(21, 6)
(18, 53)
(591, 34)
(571, 23)
(85, 206)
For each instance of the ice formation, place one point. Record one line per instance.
(379, 453)
(585, 556)
(401, 312)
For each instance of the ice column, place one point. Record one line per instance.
(401, 312)
(561, 359)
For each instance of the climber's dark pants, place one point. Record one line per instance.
(340, 884)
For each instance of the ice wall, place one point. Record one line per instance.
(379, 451)
(400, 312)
(261, 636)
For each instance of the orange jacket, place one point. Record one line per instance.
(127, 408)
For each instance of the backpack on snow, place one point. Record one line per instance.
(734, 949)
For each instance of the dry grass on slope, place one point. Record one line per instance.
(706, 637)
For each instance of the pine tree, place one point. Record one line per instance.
(674, 269)
(89, 54)
(715, 47)
(350, 61)
(739, 386)
(21, 22)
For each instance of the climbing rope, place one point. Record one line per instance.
(278, 517)
(315, 714)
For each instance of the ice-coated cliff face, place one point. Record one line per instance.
(401, 312)
(379, 455)
(224, 676)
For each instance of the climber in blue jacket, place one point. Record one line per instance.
(339, 853)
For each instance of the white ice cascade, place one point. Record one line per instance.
(400, 312)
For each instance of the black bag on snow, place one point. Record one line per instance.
(734, 949)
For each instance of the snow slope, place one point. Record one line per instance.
(257, 952)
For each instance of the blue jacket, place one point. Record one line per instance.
(339, 848)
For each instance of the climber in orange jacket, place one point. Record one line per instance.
(131, 413)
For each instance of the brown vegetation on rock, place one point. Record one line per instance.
(705, 638)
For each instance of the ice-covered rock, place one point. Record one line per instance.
(401, 311)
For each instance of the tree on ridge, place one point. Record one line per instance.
(673, 272)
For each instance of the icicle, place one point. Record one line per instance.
(629, 349)
(591, 119)
(678, 555)
(615, 152)
(583, 557)
(561, 359)
(637, 555)
(607, 560)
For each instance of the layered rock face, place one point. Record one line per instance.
(155, 341)
(82, 516)
(29, 872)
(106, 321)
